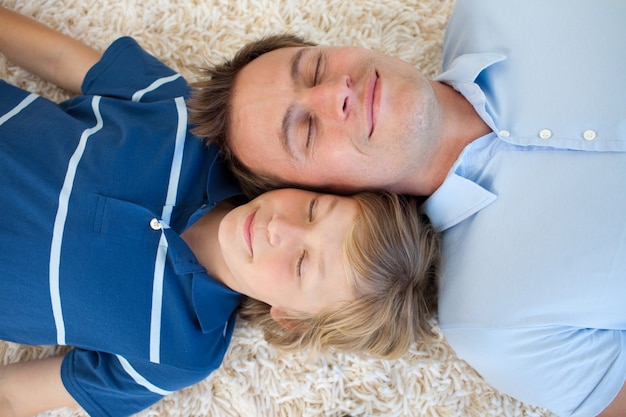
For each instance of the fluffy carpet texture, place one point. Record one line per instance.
(255, 379)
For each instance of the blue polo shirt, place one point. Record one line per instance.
(96, 191)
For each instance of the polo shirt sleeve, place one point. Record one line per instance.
(110, 385)
(128, 72)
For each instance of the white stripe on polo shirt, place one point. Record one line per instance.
(170, 201)
(177, 161)
(157, 300)
(140, 379)
(15, 110)
(158, 83)
(61, 217)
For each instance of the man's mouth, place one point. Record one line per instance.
(372, 98)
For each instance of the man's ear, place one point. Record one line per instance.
(279, 317)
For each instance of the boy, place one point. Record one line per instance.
(123, 238)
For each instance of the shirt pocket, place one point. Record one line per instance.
(125, 219)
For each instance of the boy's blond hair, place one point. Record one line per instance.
(392, 257)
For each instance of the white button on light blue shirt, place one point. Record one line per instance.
(533, 293)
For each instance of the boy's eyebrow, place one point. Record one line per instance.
(288, 119)
(322, 264)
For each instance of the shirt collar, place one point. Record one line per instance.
(211, 300)
(454, 201)
(466, 68)
(458, 198)
(210, 297)
(461, 75)
(221, 183)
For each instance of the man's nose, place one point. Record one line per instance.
(283, 231)
(332, 98)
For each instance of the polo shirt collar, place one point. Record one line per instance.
(221, 183)
(210, 300)
(210, 297)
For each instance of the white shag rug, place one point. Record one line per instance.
(255, 379)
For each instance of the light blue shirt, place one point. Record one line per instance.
(533, 293)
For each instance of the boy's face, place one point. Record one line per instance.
(285, 248)
(344, 118)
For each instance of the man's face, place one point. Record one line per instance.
(344, 118)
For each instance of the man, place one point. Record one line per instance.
(519, 144)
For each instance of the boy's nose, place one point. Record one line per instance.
(282, 231)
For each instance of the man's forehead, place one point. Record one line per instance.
(284, 54)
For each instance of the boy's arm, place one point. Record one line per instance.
(28, 388)
(45, 52)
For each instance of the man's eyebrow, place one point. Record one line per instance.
(288, 119)
(285, 134)
(295, 64)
